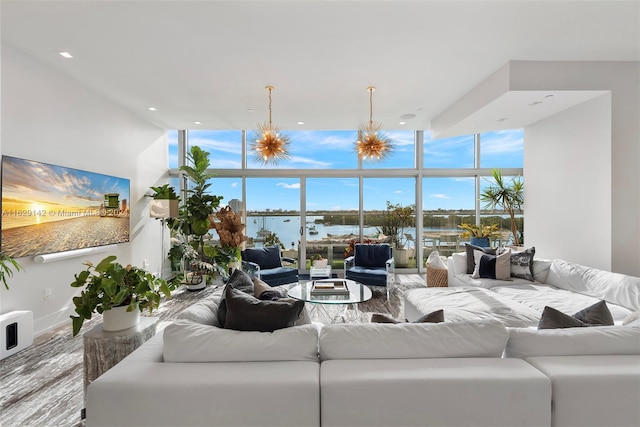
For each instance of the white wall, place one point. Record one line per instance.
(50, 118)
(622, 79)
(568, 180)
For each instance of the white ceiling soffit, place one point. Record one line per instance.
(210, 61)
(515, 109)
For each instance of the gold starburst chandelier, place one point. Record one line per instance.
(270, 146)
(373, 143)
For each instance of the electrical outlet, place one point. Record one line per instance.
(48, 294)
(145, 264)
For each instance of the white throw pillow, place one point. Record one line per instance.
(204, 311)
(502, 270)
(631, 318)
(412, 340)
(186, 341)
(595, 340)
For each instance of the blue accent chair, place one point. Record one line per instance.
(266, 264)
(371, 265)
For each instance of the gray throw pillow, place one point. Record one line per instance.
(597, 314)
(471, 263)
(247, 313)
(554, 319)
(238, 280)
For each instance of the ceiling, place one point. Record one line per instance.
(210, 61)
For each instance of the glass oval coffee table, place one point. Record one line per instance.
(357, 293)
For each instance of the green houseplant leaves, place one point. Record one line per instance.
(109, 284)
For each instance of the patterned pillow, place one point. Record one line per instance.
(521, 263)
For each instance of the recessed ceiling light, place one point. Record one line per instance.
(300, 123)
(65, 55)
(502, 119)
(197, 123)
(549, 96)
(408, 116)
(250, 110)
(534, 103)
(402, 123)
(152, 108)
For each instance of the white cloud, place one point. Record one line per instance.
(234, 184)
(295, 186)
(439, 196)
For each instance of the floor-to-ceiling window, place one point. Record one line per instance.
(322, 196)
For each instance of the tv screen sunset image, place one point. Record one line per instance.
(48, 208)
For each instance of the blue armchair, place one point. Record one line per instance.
(371, 265)
(266, 264)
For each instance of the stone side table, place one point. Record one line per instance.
(103, 349)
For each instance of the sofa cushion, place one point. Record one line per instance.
(471, 263)
(492, 266)
(239, 280)
(204, 311)
(412, 340)
(247, 313)
(612, 287)
(598, 340)
(192, 342)
(266, 258)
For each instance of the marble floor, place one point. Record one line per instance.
(42, 386)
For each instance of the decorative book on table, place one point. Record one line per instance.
(330, 287)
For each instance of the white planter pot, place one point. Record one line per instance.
(320, 263)
(118, 319)
(401, 257)
(163, 208)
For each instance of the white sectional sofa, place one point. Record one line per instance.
(449, 374)
(565, 286)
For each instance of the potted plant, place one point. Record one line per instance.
(7, 265)
(506, 196)
(230, 229)
(164, 203)
(318, 261)
(479, 235)
(192, 225)
(394, 220)
(119, 293)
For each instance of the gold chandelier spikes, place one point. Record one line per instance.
(373, 144)
(269, 145)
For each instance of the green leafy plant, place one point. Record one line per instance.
(194, 219)
(508, 196)
(164, 192)
(109, 284)
(351, 246)
(7, 267)
(481, 231)
(272, 239)
(394, 220)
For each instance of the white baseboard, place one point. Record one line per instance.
(52, 321)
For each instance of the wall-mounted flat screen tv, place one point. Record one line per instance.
(48, 208)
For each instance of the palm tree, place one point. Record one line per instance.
(506, 196)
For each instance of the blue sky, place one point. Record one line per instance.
(335, 150)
